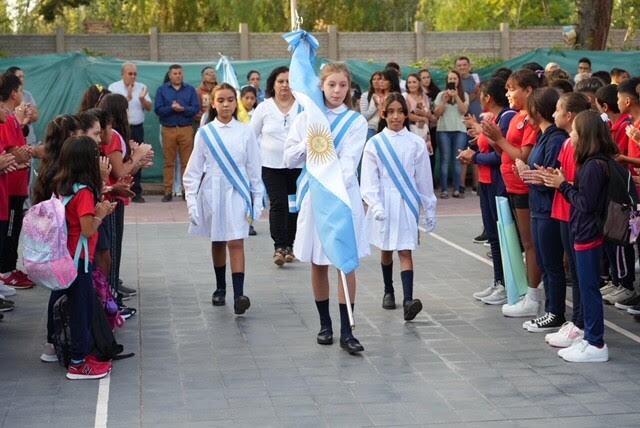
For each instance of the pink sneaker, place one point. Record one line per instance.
(568, 335)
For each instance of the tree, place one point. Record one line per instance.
(5, 22)
(594, 19)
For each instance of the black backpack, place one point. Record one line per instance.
(622, 199)
(105, 347)
(62, 331)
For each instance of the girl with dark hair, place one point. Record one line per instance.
(392, 220)
(588, 198)
(517, 144)
(93, 96)
(493, 99)
(271, 123)
(125, 159)
(223, 188)
(451, 106)
(368, 108)
(545, 230)
(78, 178)
(58, 130)
(249, 100)
(568, 106)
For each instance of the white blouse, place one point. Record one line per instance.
(271, 127)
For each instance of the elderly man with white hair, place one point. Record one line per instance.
(139, 101)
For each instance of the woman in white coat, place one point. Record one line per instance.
(397, 185)
(336, 83)
(224, 190)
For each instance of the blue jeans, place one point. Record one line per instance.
(588, 267)
(449, 142)
(567, 242)
(549, 251)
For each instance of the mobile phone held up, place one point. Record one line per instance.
(451, 86)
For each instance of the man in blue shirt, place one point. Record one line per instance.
(176, 104)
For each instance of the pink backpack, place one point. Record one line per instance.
(45, 255)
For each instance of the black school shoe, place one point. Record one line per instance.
(411, 309)
(351, 345)
(252, 231)
(388, 301)
(241, 304)
(167, 198)
(325, 336)
(217, 299)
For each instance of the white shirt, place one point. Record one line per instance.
(271, 127)
(136, 111)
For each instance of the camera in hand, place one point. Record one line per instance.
(451, 86)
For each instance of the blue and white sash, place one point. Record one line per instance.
(342, 123)
(227, 164)
(398, 175)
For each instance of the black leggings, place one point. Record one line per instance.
(281, 183)
(9, 254)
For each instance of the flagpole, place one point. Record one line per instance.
(294, 15)
(347, 299)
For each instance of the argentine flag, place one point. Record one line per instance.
(329, 199)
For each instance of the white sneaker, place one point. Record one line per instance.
(609, 288)
(498, 297)
(567, 336)
(49, 354)
(7, 291)
(526, 307)
(583, 352)
(618, 296)
(479, 295)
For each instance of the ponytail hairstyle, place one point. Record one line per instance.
(212, 113)
(524, 78)
(93, 96)
(394, 96)
(87, 119)
(495, 88)
(594, 137)
(117, 105)
(338, 67)
(542, 104)
(608, 95)
(79, 163)
(58, 130)
(576, 102)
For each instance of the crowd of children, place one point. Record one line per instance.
(549, 150)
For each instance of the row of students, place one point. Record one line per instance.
(222, 181)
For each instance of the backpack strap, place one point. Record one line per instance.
(83, 242)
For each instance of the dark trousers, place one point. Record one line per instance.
(488, 193)
(549, 251)
(137, 135)
(588, 267)
(621, 264)
(116, 244)
(80, 295)
(9, 254)
(281, 183)
(567, 243)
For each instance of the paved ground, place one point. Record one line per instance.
(459, 364)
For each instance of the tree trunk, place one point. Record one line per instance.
(594, 20)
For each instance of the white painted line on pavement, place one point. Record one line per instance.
(102, 404)
(609, 324)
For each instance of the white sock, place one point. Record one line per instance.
(535, 294)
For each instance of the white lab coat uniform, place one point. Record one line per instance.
(398, 230)
(220, 211)
(307, 246)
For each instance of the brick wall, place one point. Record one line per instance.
(380, 47)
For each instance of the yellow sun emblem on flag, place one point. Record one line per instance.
(320, 148)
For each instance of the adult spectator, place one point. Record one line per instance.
(395, 66)
(176, 105)
(584, 69)
(137, 95)
(368, 107)
(271, 122)
(470, 82)
(618, 75)
(209, 81)
(254, 78)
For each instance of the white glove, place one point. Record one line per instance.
(430, 224)
(194, 217)
(258, 206)
(378, 214)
